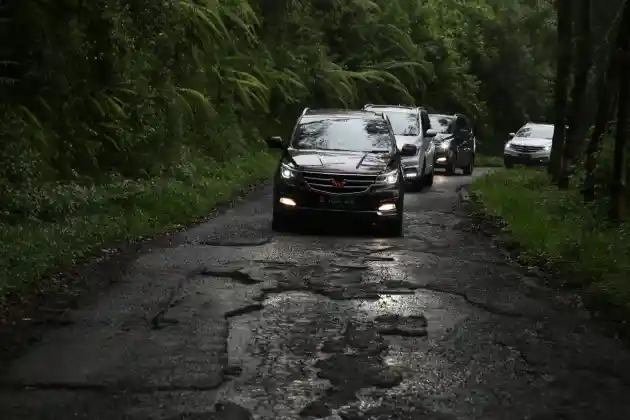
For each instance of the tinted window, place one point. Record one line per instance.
(404, 123)
(536, 131)
(462, 123)
(348, 134)
(441, 123)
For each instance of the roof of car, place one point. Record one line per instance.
(395, 108)
(340, 113)
(443, 115)
(539, 124)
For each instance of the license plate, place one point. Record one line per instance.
(338, 202)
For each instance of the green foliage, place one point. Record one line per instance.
(70, 220)
(555, 229)
(488, 161)
(109, 86)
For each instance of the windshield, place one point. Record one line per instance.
(441, 123)
(536, 131)
(404, 123)
(348, 134)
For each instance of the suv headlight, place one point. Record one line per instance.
(287, 171)
(445, 144)
(508, 145)
(389, 178)
(547, 148)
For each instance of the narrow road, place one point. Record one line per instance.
(239, 323)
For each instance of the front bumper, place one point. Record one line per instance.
(530, 159)
(412, 170)
(442, 157)
(293, 200)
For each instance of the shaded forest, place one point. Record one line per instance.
(135, 88)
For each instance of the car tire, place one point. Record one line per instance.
(429, 179)
(279, 222)
(508, 165)
(394, 228)
(468, 170)
(450, 167)
(421, 181)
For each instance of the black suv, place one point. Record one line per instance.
(455, 143)
(340, 162)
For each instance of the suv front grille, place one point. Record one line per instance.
(527, 149)
(345, 183)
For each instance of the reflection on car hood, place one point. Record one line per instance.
(530, 141)
(402, 140)
(440, 137)
(338, 161)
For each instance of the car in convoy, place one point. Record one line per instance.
(411, 126)
(340, 163)
(455, 143)
(530, 145)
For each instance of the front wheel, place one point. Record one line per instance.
(450, 166)
(394, 228)
(279, 222)
(508, 165)
(468, 170)
(429, 179)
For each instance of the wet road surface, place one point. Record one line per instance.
(240, 323)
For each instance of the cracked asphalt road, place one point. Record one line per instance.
(239, 323)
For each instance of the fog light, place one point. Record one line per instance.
(441, 160)
(387, 207)
(411, 174)
(287, 201)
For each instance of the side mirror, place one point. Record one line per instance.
(430, 133)
(408, 150)
(275, 142)
(511, 135)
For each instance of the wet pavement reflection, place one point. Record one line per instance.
(240, 323)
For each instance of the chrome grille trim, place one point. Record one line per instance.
(527, 149)
(354, 183)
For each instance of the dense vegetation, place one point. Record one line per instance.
(574, 217)
(119, 117)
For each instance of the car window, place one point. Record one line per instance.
(441, 123)
(536, 131)
(426, 122)
(404, 123)
(462, 124)
(347, 134)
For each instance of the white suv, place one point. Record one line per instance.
(530, 145)
(411, 126)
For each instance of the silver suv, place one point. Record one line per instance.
(530, 145)
(412, 126)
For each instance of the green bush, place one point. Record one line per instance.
(80, 218)
(556, 229)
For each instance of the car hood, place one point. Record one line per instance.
(402, 140)
(530, 141)
(440, 137)
(337, 161)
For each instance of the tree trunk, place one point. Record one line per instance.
(618, 185)
(563, 72)
(577, 116)
(606, 103)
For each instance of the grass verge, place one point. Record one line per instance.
(488, 161)
(79, 219)
(556, 230)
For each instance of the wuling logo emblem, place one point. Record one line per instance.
(337, 183)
